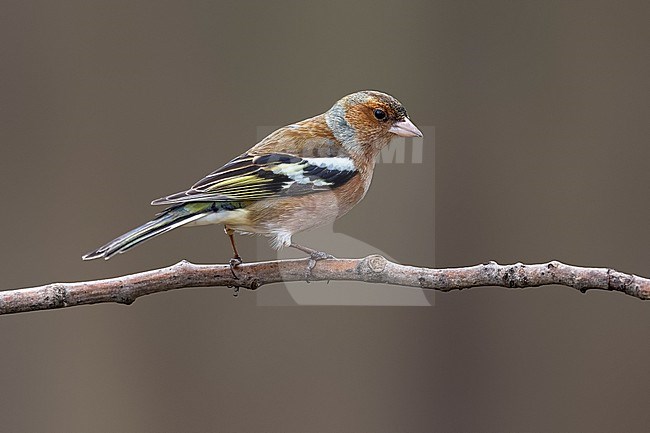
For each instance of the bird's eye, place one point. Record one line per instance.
(379, 114)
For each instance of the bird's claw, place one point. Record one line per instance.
(234, 262)
(317, 256)
(314, 257)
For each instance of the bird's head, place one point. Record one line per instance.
(369, 120)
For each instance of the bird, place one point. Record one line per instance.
(299, 177)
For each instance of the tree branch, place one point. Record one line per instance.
(371, 269)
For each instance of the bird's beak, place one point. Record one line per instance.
(405, 128)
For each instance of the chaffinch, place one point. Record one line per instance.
(299, 177)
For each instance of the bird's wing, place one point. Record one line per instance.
(252, 177)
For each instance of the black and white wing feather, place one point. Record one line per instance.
(255, 177)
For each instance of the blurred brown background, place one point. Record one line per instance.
(541, 116)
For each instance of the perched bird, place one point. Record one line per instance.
(299, 177)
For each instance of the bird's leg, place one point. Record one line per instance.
(236, 259)
(314, 256)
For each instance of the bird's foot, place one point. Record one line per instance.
(315, 257)
(234, 262)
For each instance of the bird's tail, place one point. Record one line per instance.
(165, 221)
